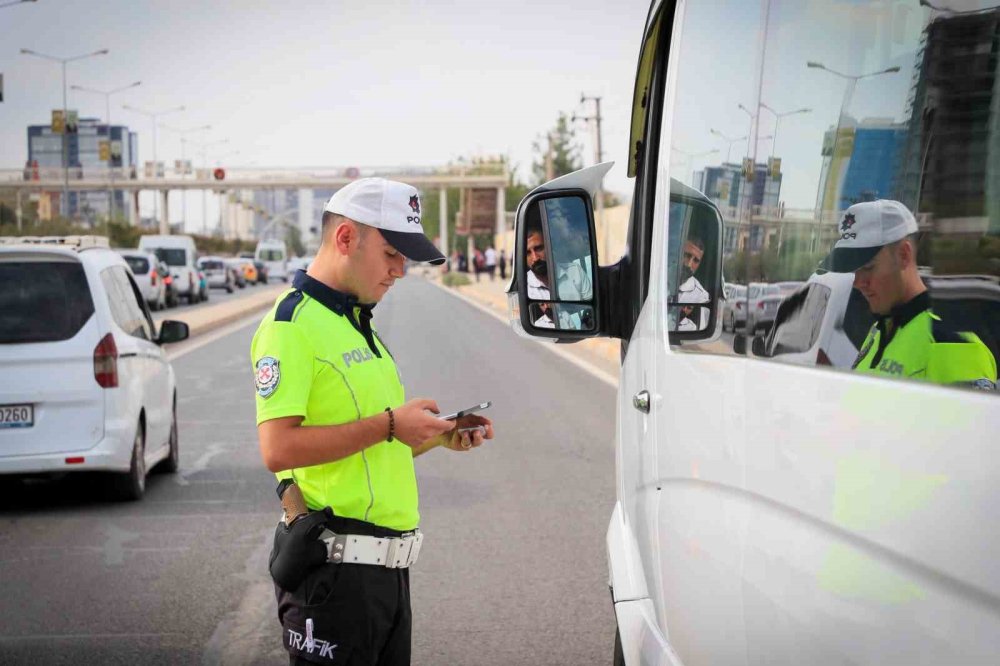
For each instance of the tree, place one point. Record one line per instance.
(557, 154)
(293, 237)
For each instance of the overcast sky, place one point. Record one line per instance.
(312, 83)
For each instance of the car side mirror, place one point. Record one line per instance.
(695, 287)
(552, 293)
(172, 331)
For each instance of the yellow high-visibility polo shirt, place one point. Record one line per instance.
(315, 355)
(921, 346)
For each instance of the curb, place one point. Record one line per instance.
(208, 318)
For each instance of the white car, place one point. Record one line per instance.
(145, 268)
(179, 253)
(217, 274)
(94, 390)
(825, 322)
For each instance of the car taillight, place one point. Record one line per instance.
(822, 358)
(167, 280)
(152, 278)
(739, 305)
(191, 280)
(106, 362)
(760, 305)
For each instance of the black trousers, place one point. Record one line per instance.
(360, 613)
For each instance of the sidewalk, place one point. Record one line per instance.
(208, 317)
(604, 353)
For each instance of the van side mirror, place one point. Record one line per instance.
(695, 288)
(172, 331)
(552, 293)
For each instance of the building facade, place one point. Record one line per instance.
(94, 150)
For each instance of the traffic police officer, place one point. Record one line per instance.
(331, 415)
(878, 244)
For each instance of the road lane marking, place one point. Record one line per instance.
(184, 348)
(606, 377)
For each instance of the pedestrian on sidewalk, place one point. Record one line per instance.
(502, 263)
(333, 424)
(490, 259)
(479, 262)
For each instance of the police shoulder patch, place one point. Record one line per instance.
(266, 376)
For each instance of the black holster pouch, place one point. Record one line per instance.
(297, 549)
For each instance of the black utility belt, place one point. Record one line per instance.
(309, 542)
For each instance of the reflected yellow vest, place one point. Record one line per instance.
(916, 352)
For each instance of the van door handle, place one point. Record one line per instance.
(641, 401)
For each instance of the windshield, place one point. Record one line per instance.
(173, 256)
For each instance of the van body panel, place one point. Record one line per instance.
(642, 641)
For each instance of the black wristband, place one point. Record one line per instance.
(392, 424)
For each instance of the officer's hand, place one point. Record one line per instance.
(470, 439)
(414, 425)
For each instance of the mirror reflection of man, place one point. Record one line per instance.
(572, 281)
(690, 289)
(878, 243)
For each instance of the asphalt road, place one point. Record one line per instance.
(513, 569)
(216, 296)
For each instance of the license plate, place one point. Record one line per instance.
(17, 416)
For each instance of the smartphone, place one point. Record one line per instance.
(469, 410)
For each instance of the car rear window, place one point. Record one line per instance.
(211, 265)
(139, 265)
(42, 301)
(799, 321)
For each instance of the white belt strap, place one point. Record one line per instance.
(390, 552)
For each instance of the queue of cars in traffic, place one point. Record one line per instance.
(95, 391)
(168, 269)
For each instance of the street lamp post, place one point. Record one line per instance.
(153, 115)
(777, 120)
(852, 82)
(16, 2)
(204, 165)
(183, 133)
(107, 110)
(690, 157)
(64, 204)
(728, 139)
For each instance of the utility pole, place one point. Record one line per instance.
(598, 158)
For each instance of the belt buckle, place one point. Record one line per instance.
(394, 556)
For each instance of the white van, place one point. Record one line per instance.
(179, 254)
(769, 512)
(274, 255)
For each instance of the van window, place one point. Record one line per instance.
(172, 256)
(139, 265)
(784, 133)
(42, 301)
(271, 255)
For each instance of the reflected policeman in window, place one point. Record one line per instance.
(878, 243)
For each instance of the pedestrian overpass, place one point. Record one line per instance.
(52, 182)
